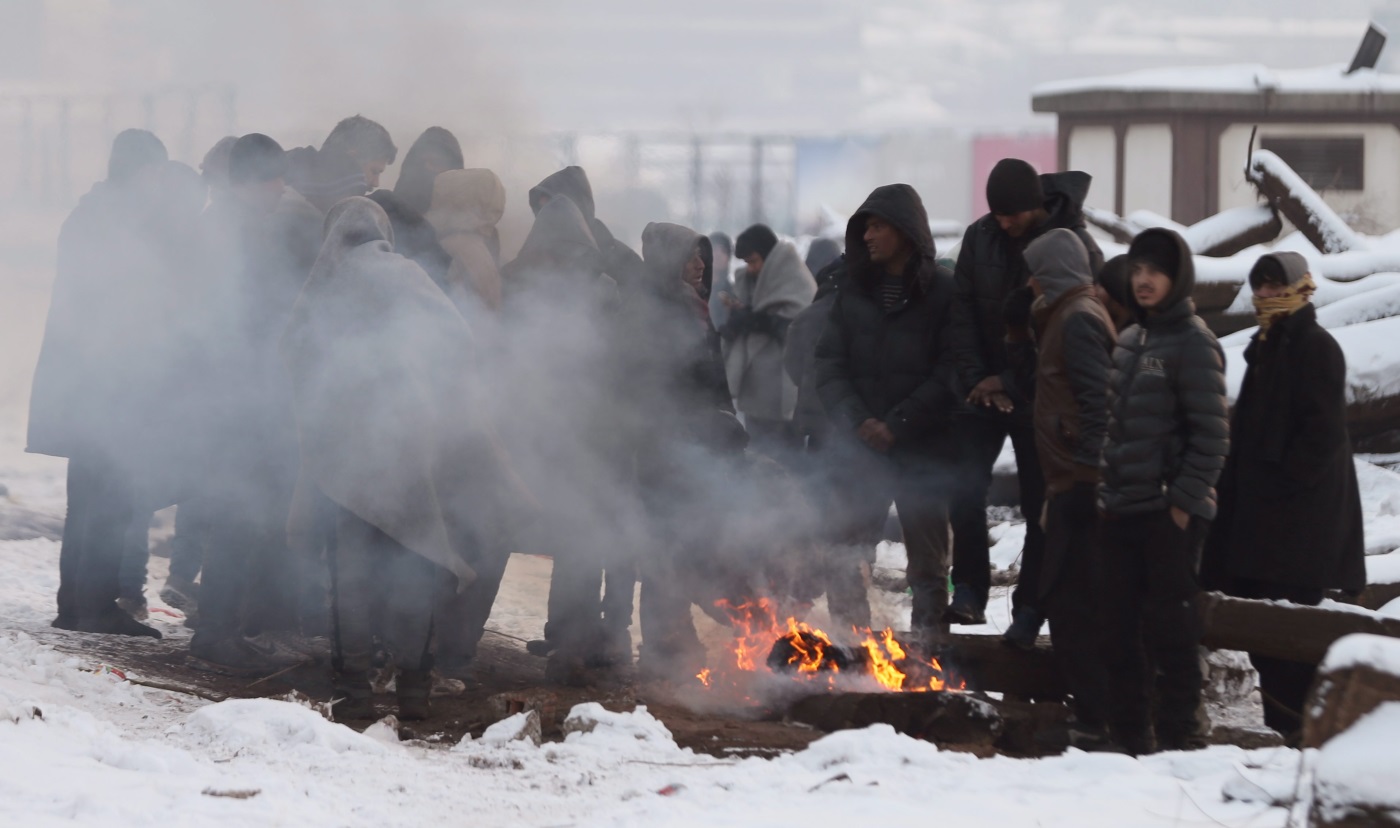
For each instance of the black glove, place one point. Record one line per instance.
(1016, 312)
(1082, 503)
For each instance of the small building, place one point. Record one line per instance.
(1175, 141)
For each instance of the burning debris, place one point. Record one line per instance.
(875, 661)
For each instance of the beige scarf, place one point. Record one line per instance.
(1272, 309)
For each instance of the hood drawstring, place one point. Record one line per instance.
(1274, 308)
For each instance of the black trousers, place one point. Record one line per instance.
(191, 537)
(1152, 623)
(100, 509)
(385, 595)
(461, 621)
(1284, 684)
(980, 439)
(137, 556)
(1070, 600)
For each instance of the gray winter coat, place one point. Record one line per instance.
(1168, 430)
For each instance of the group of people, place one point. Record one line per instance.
(361, 411)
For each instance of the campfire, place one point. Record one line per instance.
(876, 660)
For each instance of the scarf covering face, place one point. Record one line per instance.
(1272, 309)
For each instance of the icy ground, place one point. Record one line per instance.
(80, 746)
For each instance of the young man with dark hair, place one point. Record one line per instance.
(885, 375)
(769, 292)
(1024, 205)
(1168, 435)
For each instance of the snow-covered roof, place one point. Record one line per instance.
(1198, 87)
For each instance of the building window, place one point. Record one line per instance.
(1324, 163)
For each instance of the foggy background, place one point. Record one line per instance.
(713, 113)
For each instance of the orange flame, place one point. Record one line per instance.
(813, 654)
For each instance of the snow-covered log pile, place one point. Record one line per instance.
(1353, 719)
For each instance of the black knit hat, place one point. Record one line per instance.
(1113, 278)
(758, 239)
(1158, 250)
(256, 158)
(1283, 269)
(1014, 187)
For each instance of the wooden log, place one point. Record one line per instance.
(1300, 204)
(1228, 232)
(1122, 230)
(1360, 674)
(988, 665)
(1287, 631)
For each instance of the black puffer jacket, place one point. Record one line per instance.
(991, 264)
(1168, 430)
(895, 365)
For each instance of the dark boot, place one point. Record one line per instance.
(565, 668)
(540, 647)
(113, 621)
(965, 607)
(1024, 629)
(234, 656)
(1134, 741)
(353, 698)
(414, 687)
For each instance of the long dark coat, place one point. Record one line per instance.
(1290, 512)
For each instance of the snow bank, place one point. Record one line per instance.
(1383, 569)
(1359, 768)
(1335, 234)
(1379, 652)
(260, 727)
(1380, 503)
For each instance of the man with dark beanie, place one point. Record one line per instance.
(1289, 526)
(772, 288)
(1168, 435)
(262, 241)
(885, 376)
(1113, 290)
(991, 265)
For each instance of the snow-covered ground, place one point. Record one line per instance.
(80, 746)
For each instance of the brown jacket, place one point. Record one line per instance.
(1075, 345)
(467, 204)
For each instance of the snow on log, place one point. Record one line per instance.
(1354, 774)
(1360, 673)
(1382, 580)
(1227, 233)
(1300, 204)
(1282, 630)
(1122, 230)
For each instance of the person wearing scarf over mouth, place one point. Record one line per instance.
(1289, 525)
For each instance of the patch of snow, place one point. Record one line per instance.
(1336, 235)
(1383, 569)
(1379, 652)
(1390, 610)
(1359, 767)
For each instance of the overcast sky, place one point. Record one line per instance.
(714, 65)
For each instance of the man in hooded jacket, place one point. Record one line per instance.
(1074, 339)
(885, 374)
(991, 264)
(619, 261)
(679, 420)
(1289, 525)
(436, 151)
(1168, 435)
(772, 288)
(558, 366)
(87, 401)
(406, 471)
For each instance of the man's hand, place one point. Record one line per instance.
(983, 391)
(1000, 402)
(729, 301)
(1180, 517)
(876, 434)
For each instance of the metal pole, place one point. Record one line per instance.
(756, 182)
(697, 180)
